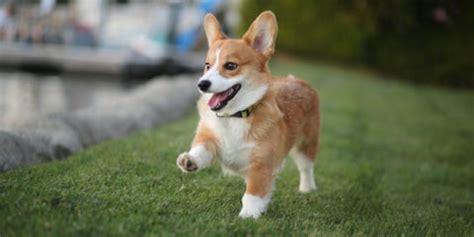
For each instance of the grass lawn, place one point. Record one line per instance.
(395, 160)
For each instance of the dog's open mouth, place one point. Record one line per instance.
(219, 100)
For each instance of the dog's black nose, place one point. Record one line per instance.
(204, 85)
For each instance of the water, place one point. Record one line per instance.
(25, 96)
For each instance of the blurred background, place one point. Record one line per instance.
(422, 41)
(395, 78)
(63, 55)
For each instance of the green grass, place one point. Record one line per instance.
(395, 159)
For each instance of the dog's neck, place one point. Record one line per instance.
(239, 114)
(244, 100)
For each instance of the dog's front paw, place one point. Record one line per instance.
(185, 163)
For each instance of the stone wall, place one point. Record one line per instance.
(54, 137)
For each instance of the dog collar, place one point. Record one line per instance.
(239, 114)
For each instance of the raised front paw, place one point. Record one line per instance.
(185, 163)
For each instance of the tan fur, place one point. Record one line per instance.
(205, 136)
(286, 117)
(236, 51)
(288, 114)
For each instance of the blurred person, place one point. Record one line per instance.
(46, 7)
(90, 16)
(7, 23)
(37, 34)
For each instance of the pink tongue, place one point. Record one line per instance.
(217, 98)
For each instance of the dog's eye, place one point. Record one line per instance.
(207, 66)
(230, 66)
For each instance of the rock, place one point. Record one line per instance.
(57, 136)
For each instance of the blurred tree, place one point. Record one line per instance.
(420, 40)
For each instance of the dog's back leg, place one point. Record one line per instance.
(304, 155)
(304, 162)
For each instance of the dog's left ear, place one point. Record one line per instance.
(262, 34)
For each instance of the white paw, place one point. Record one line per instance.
(253, 206)
(249, 213)
(307, 187)
(185, 163)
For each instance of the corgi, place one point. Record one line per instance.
(249, 120)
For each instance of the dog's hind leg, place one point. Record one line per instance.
(304, 155)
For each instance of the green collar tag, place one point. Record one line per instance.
(239, 114)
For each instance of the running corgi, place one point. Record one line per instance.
(249, 120)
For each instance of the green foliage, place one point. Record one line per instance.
(430, 58)
(337, 34)
(422, 41)
(395, 160)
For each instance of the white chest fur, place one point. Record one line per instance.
(234, 148)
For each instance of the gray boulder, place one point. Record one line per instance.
(57, 136)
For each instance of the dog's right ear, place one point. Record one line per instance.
(213, 29)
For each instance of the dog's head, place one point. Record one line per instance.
(236, 72)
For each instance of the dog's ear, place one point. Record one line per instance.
(213, 29)
(262, 34)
